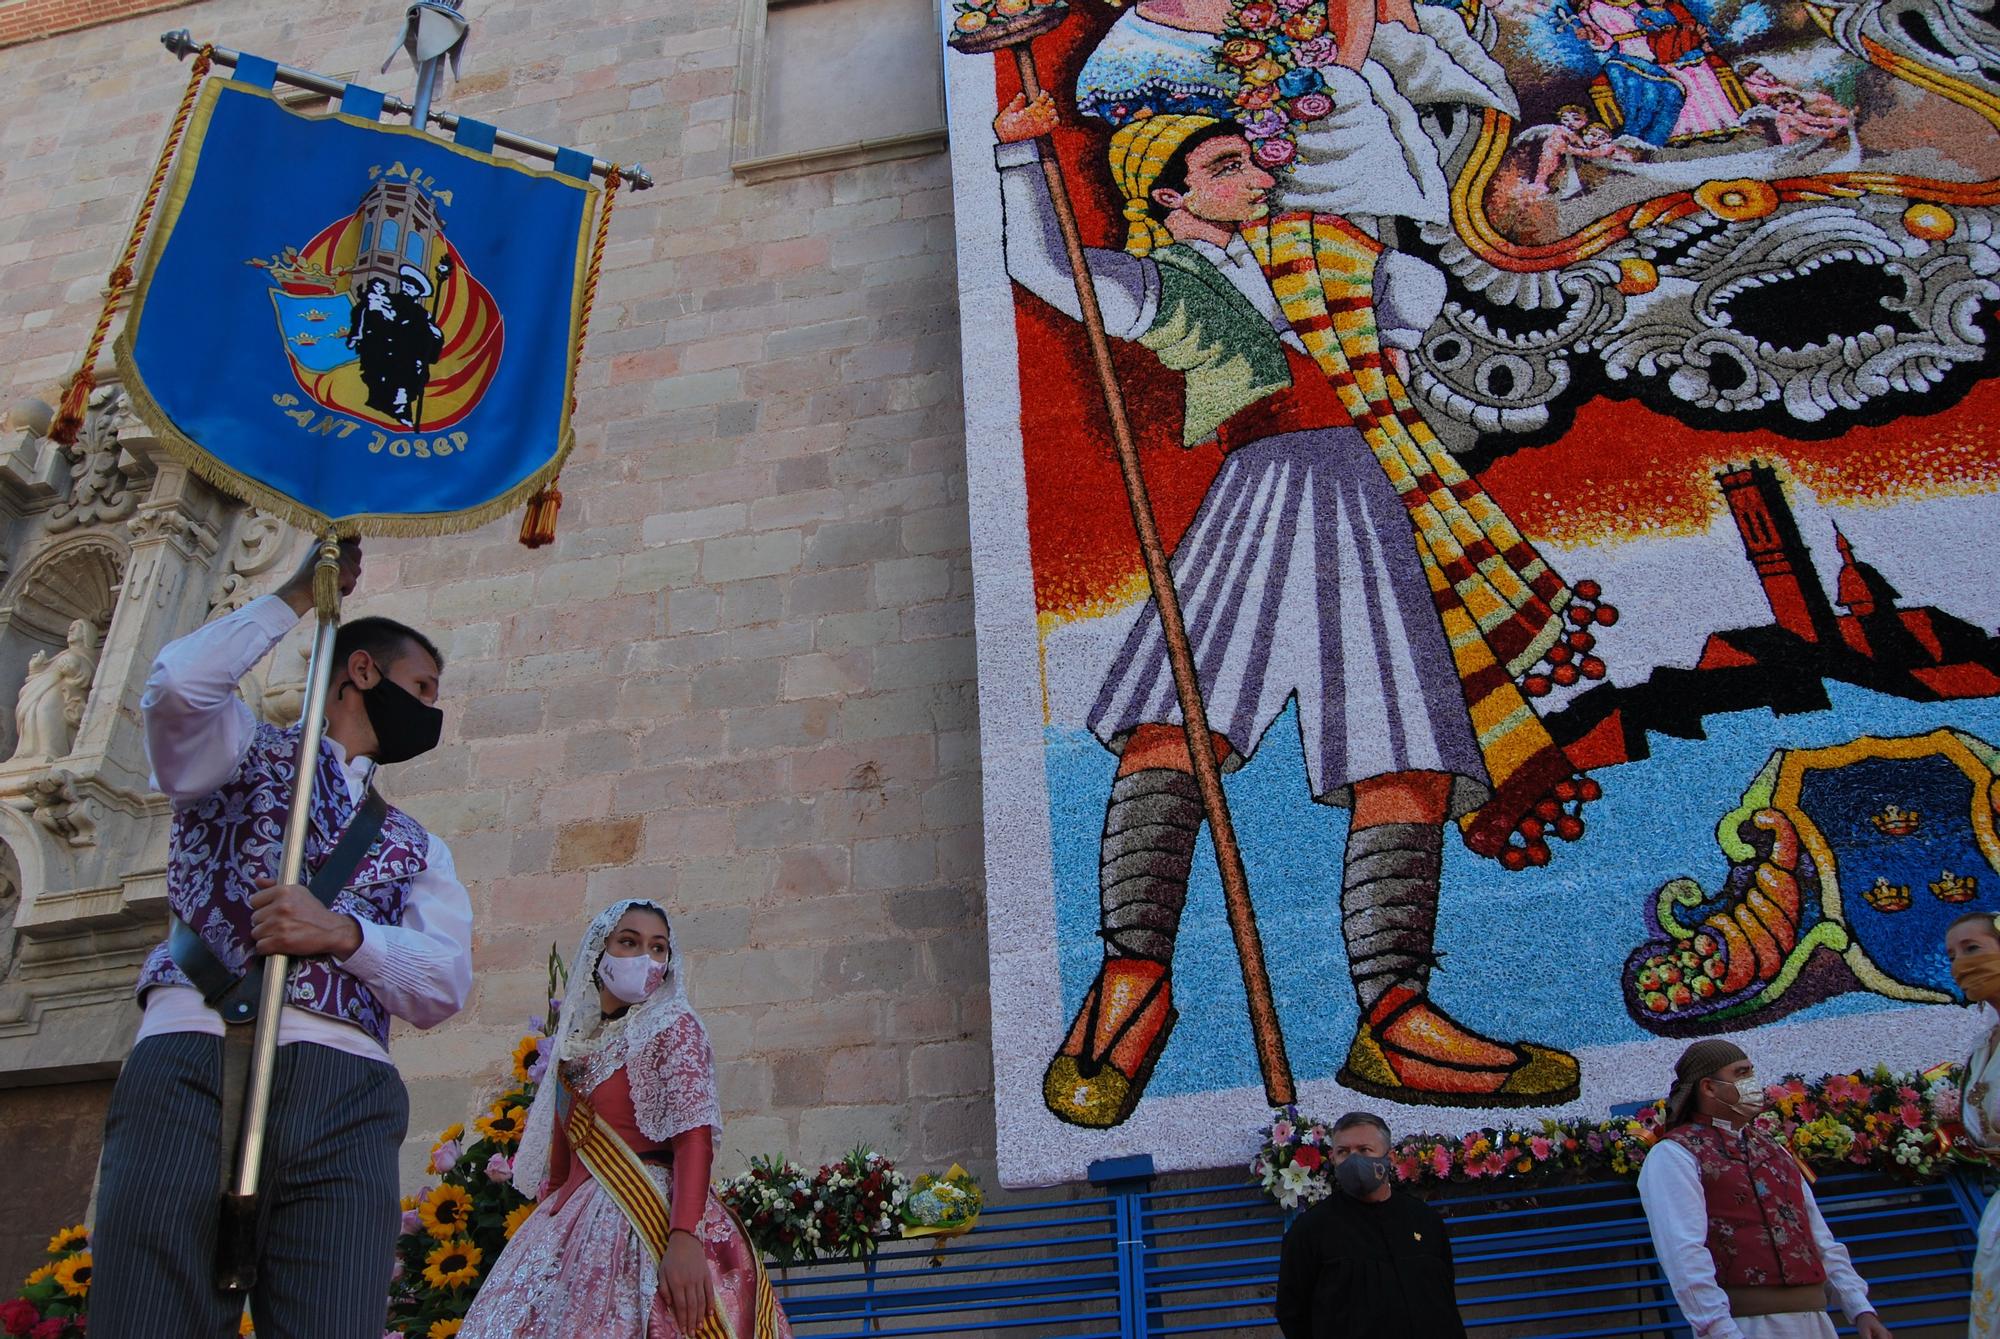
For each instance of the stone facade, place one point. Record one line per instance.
(741, 681)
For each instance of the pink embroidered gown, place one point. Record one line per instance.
(576, 1270)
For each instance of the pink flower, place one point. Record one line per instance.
(1257, 15)
(412, 1222)
(1282, 1131)
(446, 1157)
(1541, 1148)
(1294, 6)
(1274, 152)
(1311, 106)
(499, 1168)
(1317, 53)
(1441, 1160)
(1913, 1119)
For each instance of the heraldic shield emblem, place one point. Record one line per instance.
(358, 323)
(1830, 887)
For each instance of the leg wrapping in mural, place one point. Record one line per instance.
(1116, 1038)
(1406, 1048)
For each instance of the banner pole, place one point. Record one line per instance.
(181, 44)
(236, 1258)
(1266, 1031)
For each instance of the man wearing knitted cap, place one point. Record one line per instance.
(1302, 582)
(1733, 1218)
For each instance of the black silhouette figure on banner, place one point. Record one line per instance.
(397, 339)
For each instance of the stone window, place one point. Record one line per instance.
(825, 84)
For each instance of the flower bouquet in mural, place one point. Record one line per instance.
(943, 1206)
(1845, 866)
(455, 1229)
(1272, 52)
(1883, 1122)
(774, 1202)
(988, 25)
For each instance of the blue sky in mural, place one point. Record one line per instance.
(1534, 955)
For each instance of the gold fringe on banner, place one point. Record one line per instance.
(76, 396)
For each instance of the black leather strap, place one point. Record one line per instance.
(235, 997)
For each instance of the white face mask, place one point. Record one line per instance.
(1749, 1093)
(632, 980)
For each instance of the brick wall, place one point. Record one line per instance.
(26, 20)
(742, 679)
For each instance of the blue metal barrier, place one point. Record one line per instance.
(1127, 1261)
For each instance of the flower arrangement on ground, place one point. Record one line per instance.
(1880, 1121)
(842, 1210)
(774, 1200)
(943, 1205)
(455, 1229)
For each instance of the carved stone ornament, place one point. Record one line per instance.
(103, 476)
(260, 542)
(59, 807)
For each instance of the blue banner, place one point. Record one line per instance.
(358, 325)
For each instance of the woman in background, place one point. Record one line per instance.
(628, 1241)
(1972, 943)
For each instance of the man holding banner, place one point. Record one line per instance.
(384, 928)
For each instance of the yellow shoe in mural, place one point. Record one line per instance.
(1409, 1050)
(1100, 1073)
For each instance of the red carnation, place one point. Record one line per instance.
(18, 1316)
(52, 1328)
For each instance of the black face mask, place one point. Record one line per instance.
(404, 726)
(1361, 1175)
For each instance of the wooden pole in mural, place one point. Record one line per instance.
(1264, 1027)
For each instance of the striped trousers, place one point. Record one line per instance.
(326, 1240)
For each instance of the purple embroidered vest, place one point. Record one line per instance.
(222, 844)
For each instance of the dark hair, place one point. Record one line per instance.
(1985, 919)
(1174, 175)
(1357, 1118)
(383, 638)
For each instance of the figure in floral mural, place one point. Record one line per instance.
(1308, 576)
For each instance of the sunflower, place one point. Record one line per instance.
(502, 1125)
(69, 1239)
(451, 1132)
(524, 1051)
(73, 1274)
(41, 1275)
(520, 1215)
(443, 1329)
(452, 1264)
(446, 1211)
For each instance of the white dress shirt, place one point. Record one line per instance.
(197, 731)
(1677, 1215)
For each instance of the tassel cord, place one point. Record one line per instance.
(76, 396)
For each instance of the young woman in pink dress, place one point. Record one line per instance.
(628, 1241)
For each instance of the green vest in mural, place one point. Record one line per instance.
(1211, 334)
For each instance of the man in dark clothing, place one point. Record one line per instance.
(1369, 1262)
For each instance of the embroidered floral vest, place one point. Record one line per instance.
(1758, 1228)
(222, 844)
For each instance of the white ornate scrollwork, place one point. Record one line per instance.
(103, 476)
(1805, 311)
(261, 539)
